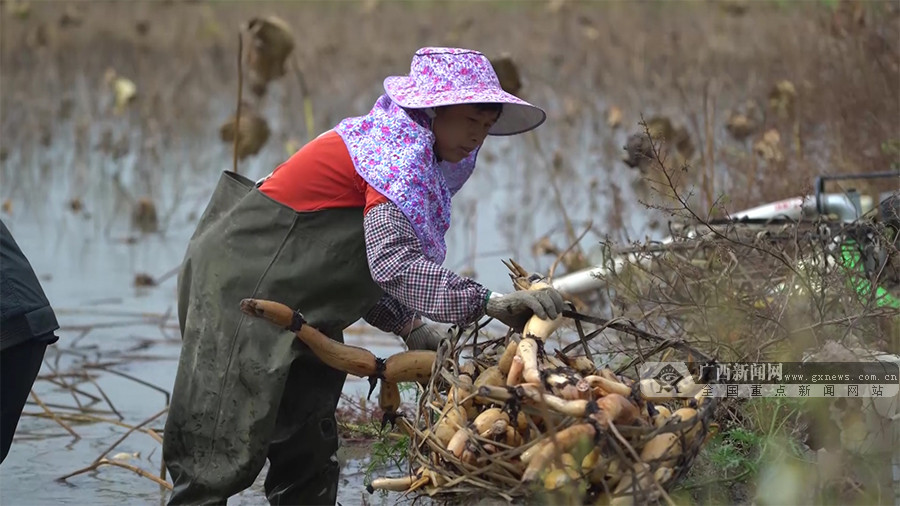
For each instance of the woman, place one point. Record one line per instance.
(352, 226)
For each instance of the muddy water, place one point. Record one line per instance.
(88, 262)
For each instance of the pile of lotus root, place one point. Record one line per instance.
(515, 421)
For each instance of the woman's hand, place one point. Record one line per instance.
(425, 337)
(516, 308)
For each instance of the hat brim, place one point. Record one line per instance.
(518, 115)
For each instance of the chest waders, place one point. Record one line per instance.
(245, 390)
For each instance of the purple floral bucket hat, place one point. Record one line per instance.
(449, 76)
(392, 147)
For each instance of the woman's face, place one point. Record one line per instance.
(460, 129)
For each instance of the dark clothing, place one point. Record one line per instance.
(25, 310)
(19, 367)
(246, 390)
(27, 325)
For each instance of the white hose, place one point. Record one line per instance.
(593, 278)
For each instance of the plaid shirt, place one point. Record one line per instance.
(413, 285)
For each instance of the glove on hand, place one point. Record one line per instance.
(425, 337)
(515, 309)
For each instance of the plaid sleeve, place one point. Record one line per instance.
(398, 265)
(389, 315)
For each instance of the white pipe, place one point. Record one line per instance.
(790, 208)
(586, 279)
(795, 208)
(593, 278)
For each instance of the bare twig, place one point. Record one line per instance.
(654, 146)
(131, 430)
(168, 274)
(305, 97)
(65, 384)
(583, 340)
(53, 415)
(103, 394)
(106, 325)
(72, 388)
(81, 409)
(709, 141)
(630, 329)
(237, 116)
(112, 312)
(123, 465)
(85, 418)
(637, 458)
(132, 378)
(567, 250)
(162, 473)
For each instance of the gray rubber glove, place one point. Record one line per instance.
(515, 309)
(425, 337)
